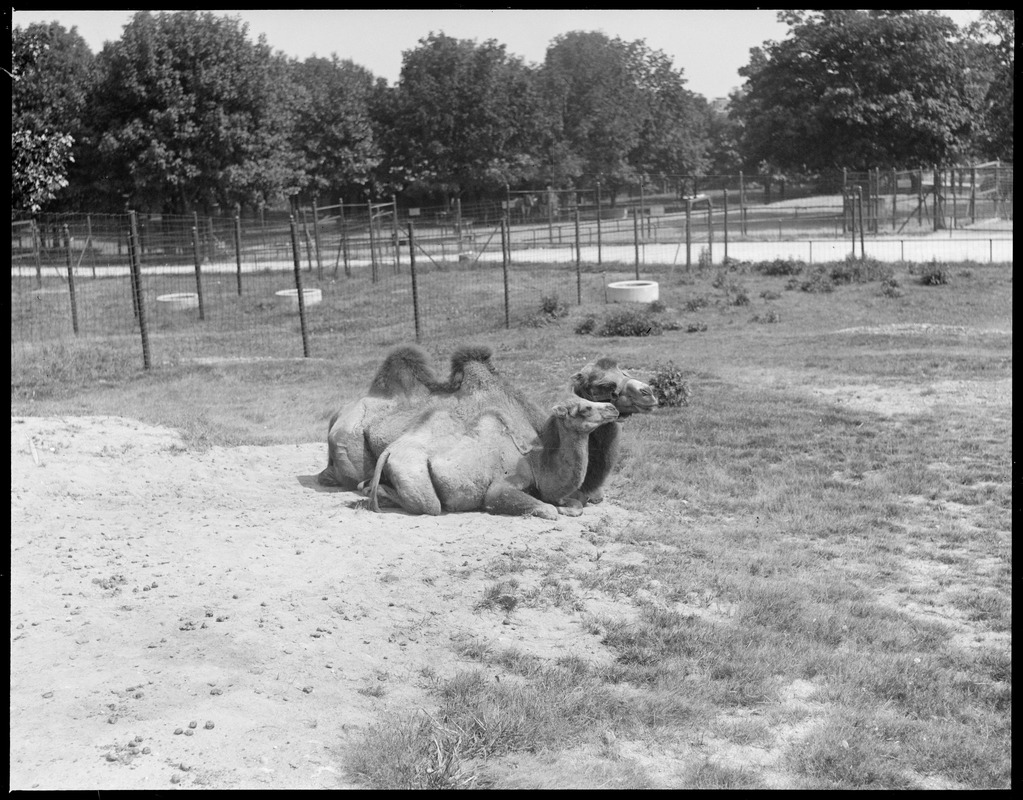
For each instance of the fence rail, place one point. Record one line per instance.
(169, 288)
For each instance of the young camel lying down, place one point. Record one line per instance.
(448, 463)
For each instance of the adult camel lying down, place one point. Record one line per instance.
(405, 386)
(446, 462)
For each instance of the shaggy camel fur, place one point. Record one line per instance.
(605, 381)
(405, 377)
(447, 462)
(404, 387)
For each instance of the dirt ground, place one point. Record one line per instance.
(220, 620)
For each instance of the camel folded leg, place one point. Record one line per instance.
(503, 497)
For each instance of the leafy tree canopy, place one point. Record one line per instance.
(51, 76)
(859, 89)
(462, 118)
(333, 126)
(194, 114)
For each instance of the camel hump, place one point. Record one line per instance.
(472, 362)
(405, 369)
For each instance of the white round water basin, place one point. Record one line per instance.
(289, 297)
(180, 300)
(633, 291)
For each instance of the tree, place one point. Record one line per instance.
(461, 120)
(192, 114)
(596, 109)
(52, 74)
(334, 129)
(673, 136)
(858, 89)
(996, 32)
(619, 111)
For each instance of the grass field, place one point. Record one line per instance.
(822, 592)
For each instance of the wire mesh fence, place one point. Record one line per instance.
(160, 289)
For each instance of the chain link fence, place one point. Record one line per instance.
(162, 289)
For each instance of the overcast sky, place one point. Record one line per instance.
(709, 46)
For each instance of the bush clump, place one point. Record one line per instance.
(780, 266)
(551, 306)
(890, 288)
(630, 323)
(935, 274)
(586, 325)
(866, 270)
(770, 316)
(696, 303)
(819, 281)
(671, 386)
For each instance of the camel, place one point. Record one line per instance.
(403, 387)
(604, 381)
(451, 462)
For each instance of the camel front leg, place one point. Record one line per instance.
(505, 497)
(604, 446)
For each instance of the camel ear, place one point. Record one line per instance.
(577, 379)
(560, 411)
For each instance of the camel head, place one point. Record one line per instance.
(583, 415)
(604, 381)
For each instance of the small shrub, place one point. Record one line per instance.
(819, 281)
(770, 316)
(670, 386)
(551, 306)
(696, 327)
(780, 266)
(586, 325)
(657, 306)
(890, 288)
(696, 303)
(735, 293)
(704, 260)
(770, 295)
(866, 270)
(630, 323)
(935, 274)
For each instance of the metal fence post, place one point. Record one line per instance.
(135, 258)
(372, 243)
(635, 237)
(689, 235)
(316, 239)
(505, 247)
(859, 204)
(397, 240)
(599, 243)
(36, 255)
(238, 250)
(412, 272)
(297, 255)
(88, 241)
(71, 279)
(725, 223)
(578, 261)
(198, 272)
(710, 230)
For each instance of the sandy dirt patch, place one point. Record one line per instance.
(153, 588)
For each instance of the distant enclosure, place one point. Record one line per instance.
(168, 288)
